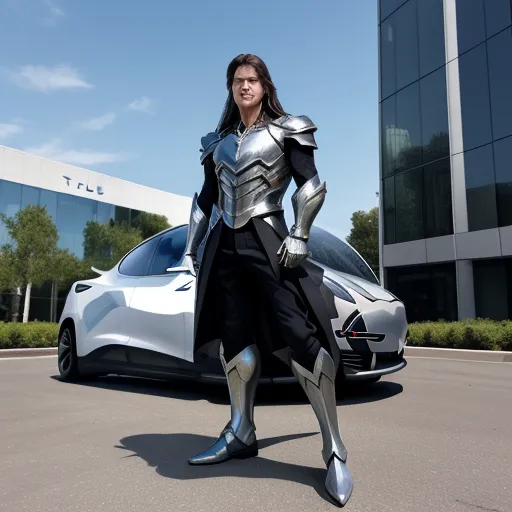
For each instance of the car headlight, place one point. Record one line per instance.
(338, 290)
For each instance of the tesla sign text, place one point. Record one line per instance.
(80, 186)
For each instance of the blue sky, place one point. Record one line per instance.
(127, 88)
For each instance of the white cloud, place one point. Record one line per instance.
(55, 151)
(142, 104)
(53, 15)
(8, 130)
(44, 78)
(98, 123)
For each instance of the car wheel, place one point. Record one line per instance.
(67, 357)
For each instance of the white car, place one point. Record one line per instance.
(137, 318)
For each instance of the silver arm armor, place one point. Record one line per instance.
(197, 229)
(307, 202)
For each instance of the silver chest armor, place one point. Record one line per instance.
(251, 168)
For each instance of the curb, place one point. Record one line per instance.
(494, 356)
(27, 352)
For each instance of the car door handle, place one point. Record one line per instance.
(185, 287)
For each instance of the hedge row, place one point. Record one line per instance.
(28, 335)
(470, 334)
(475, 334)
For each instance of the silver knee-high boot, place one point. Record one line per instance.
(319, 387)
(238, 439)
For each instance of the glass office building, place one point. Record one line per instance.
(445, 114)
(72, 196)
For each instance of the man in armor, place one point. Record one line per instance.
(256, 290)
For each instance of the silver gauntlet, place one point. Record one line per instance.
(197, 229)
(307, 202)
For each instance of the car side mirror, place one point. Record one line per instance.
(176, 270)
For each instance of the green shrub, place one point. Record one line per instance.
(474, 334)
(28, 335)
(477, 334)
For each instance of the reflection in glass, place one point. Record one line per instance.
(437, 196)
(387, 58)
(389, 210)
(409, 206)
(499, 51)
(408, 133)
(334, 253)
(48, 198)
(29, 196)
(106, 212)
(122, 215)
(497, 16)
(503, 169)
(136, 263)
(431, 35)
(480, 188)
(388, 6)
(10, 201)
(434, 116)
(470, 24)
(389, 135)
(169, 252)
(474, 96)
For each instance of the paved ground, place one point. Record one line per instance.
(435, 437)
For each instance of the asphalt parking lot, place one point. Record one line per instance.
(435, 437)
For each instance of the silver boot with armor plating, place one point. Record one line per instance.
(238, 439)
(319, 388)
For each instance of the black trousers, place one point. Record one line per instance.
(243, 277)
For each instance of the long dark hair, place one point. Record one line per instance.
(270, 103)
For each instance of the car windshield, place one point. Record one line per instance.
(334, 253)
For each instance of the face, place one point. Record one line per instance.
(247, 87)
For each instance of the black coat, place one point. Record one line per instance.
(318, 298)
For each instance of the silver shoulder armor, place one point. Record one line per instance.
(300, 128)
(209, 143)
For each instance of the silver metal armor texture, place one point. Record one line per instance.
(319, 388)
(307, 201)
(251, 168)
(238, 438)
(198, 225)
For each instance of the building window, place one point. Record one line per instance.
(427, 291)
(480, 188)
(499, 51)
(503, 169)
(409, 206)
(431, 35)
(408, 142)
(389, 210)
(497, 16)
(434, 117)
(399, 49)
(389, 136)
(470, 24)
(438, 199)
(389, 6)
(475, 100)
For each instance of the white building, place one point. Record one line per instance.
(73, 196)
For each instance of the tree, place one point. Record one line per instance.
(364, 236)
(29, 260)
(150, 224)
(106, 244)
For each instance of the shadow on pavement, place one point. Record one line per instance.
(169, 453)
(279, 395)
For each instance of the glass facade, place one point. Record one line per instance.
(415, 152)
(70, 214)
(484, 32)
(415, 149)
